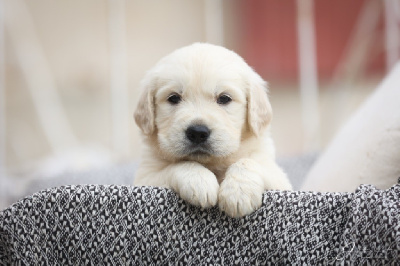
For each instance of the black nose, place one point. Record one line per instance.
(197, 134)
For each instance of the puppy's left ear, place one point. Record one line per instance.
(144, 113)
(259, 109)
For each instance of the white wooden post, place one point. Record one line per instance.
(214, 22)
(120, 113)
(3, 169)
(392, 32)
(39, 79)
(308, 74)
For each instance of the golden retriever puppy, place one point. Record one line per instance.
(204, 114)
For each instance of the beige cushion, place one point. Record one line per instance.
(367, 148)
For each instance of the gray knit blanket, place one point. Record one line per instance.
(123, 225)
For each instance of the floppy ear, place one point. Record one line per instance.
(144, 114)
(259, 109)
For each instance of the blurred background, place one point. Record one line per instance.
(70, 70)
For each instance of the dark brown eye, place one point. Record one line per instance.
(174, 98)
(224, 99)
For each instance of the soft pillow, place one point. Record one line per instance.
(367, 149)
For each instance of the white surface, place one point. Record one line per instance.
(367, 149)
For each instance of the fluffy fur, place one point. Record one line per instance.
(236, 163)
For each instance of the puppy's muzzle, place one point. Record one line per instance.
(198, 134)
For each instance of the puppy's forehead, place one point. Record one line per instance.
(202, 57)
(202, 66)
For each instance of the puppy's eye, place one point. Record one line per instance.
(224, 99)
(174, 98)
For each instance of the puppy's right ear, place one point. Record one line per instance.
(144, 114)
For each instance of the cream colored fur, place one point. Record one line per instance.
(239, 162)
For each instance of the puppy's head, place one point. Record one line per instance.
(200, 101)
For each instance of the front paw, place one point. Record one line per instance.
(242, 189)
(196, 185)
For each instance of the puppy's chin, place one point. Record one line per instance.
(201, 154)
(199, 157)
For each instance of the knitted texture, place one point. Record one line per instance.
(122, 225)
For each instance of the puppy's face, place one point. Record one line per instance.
(200, 101)
(202, 116)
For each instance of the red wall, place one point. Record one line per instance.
(268, 39)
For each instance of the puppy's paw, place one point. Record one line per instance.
(196, 185)
(241, 191)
